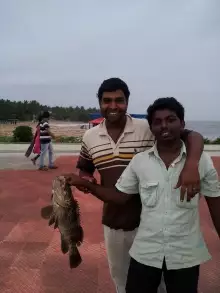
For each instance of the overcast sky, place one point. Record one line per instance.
(58, 52)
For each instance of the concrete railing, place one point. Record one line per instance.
(213, 150)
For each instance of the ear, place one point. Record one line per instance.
(183, 124)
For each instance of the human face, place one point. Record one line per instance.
(113, 106)
(166, 126)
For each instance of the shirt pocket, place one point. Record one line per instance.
(192, 204)
(149, 193)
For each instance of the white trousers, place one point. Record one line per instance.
(118, 244)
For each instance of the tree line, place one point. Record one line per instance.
(29, 110)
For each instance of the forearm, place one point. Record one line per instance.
(105, 194)
(214, 207)
(216, 223)
(195, 145)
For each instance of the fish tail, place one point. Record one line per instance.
(74, 257)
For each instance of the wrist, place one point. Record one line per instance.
(86, 184)
(193, 163)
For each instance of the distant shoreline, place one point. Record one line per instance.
(209, 129)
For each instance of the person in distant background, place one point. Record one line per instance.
(45, 142)
(34, 159)
(34, 146)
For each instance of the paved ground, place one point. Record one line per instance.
(30, 258)
(73, 148)
(58, 147)
(17, 161)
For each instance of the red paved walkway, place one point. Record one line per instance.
(30, 258)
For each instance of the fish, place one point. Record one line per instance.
(64, 214)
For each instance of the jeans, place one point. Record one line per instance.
(118, 244)
(44, 148)
(143, 278)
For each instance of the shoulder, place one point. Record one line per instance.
(91, 134)
(141, 158)
(140, 123)
(141, 127)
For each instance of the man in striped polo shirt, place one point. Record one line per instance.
(45, 142)
(108, 148)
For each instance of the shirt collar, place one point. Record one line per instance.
(129, 127)
(183, 152)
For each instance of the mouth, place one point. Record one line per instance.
(165, 134)
(113, 114)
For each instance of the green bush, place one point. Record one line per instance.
(216, 141)
(6, 139)
(207, 141)
(22, 134)
(69, 139)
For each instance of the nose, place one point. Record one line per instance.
(163, 124)
(113, 105)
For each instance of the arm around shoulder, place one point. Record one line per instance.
(194, 144)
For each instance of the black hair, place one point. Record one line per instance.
(169, 103)
(111, 85)
(39, 117)
(46, 114)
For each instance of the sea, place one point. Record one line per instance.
(209, 129)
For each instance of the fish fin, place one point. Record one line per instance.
(51, 220)
(81, 236)
(56, 223)
(46, 212)
(64, 245)
(74, 257)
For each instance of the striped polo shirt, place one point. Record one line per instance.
(100, 152)
(44, 134)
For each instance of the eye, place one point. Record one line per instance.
(120, 100)
(156, 122)
(106, 100)
(171, 119)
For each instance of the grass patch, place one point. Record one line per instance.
(209, 141)
(69, 139)
(6, 139)
(78, 139)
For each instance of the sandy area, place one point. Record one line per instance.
(59, 128)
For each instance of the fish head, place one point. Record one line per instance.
(61, 191)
